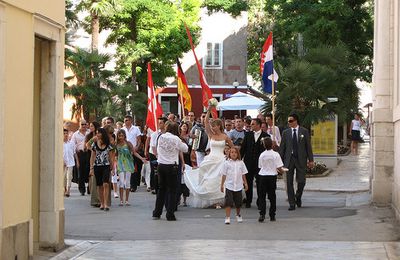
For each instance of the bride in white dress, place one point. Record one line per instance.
(204, 182)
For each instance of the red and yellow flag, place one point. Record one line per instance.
(183, 90)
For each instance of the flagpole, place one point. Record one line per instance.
(182, 106)
(154, 108)
(153, 89)
(273, 95)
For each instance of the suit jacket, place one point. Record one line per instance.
(251, 149)
(304, 150)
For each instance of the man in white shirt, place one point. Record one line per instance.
(171, 117)
(228, 126)
(132, 132)
(133, 135)
(276, 137)
(78, 139)
(192, 118)
(169, 146)
(151, 152)
(69, 156)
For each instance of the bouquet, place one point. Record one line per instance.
(213, 102)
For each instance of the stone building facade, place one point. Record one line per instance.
(385, 184)
(222, 51)
(31, 94)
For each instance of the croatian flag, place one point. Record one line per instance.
(267, 65)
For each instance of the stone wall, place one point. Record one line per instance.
(382, 119)
(15, 242)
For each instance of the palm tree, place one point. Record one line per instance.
(90, 84)
(71, 18)
(97, 8)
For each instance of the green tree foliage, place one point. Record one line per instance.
(306, 24)
(71, 18)
(307, 82)
(97, 9)
(147, 30)
(321, 47)
(91, 83)
(233, 7)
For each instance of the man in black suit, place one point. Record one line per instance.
(250, 151)
(295, 150)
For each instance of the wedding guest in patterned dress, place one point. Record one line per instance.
(125, 165)
(101, 161)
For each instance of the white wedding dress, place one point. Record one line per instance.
(204, 182)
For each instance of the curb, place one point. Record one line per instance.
(77, 250)
(331, 190)
(324, 174)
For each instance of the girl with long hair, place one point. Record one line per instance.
(125, 165)
(101, 163)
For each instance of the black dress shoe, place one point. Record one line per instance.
(156, 217)
(292, 207)
(272, 218)
(298, 203)
(171, 218)
(261, 218)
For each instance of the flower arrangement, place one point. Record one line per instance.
(319, 168)
(213, 102)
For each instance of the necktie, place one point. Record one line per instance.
(294, 144)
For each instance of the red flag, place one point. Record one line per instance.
(154, 109)
(206, 91)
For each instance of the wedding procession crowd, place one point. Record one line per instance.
(215, 162)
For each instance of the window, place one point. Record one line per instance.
(213, 58)
(169, 103)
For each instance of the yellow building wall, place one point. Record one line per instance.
(18, 115)
(53, 9)
(19, 175)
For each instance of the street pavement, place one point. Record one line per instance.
(337, 221)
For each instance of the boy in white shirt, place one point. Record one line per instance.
(234, 177)
(69, 155)
(270, 163)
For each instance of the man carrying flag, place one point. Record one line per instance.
(183, 91)
(267, 66)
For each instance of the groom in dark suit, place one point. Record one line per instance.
(250, 151)
(296, 153)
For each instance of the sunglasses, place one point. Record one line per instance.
(290, 121)
(83, 124)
